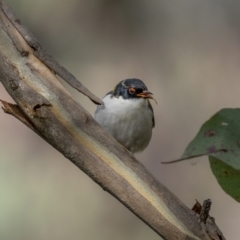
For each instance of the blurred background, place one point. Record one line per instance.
(187, 53)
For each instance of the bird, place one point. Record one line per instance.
(127, 114)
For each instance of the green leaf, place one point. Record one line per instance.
(218, 137)
(227, 177)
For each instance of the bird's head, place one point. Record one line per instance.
(131, 89)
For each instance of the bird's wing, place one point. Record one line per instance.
(109, 93)
(151, 108)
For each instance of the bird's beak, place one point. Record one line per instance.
(146, 94)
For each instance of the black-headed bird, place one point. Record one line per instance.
(127, 114)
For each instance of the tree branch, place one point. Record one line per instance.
(43, 56)
(43, 104)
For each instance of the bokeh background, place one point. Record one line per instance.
(188, 54)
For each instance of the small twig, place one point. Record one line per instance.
(46, 58)
(207, 223)
(15, 110)
(204, 214)
(197, 207)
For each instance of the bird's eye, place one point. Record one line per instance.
(132, 90)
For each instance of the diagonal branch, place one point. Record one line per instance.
(46, 58)
(45, 106)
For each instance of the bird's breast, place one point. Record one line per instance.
(128, 120)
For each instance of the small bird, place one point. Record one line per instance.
(127, 114)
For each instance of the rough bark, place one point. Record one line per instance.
(28, 74)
